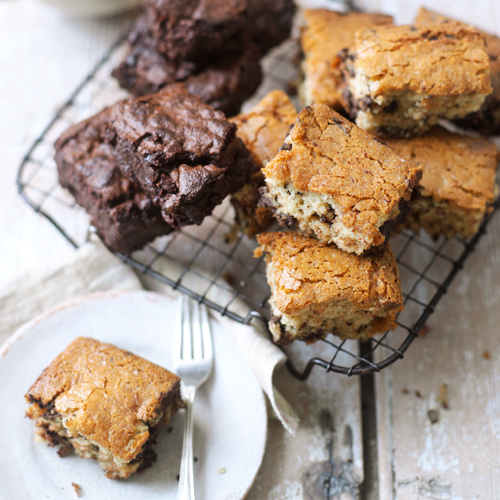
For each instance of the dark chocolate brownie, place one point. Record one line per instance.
(182, 152)
(122, 213)
(224, 84)
(271, 22)
(196, 29)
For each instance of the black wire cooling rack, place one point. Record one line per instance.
(203, 263)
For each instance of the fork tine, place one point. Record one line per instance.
(186, 333)
(196, 329)
(177, 343)
(207, 335)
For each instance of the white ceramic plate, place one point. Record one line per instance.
(229, 415)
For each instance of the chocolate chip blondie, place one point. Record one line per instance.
(458, 183)
(487, 120)
(182, 153)
(120, 210)
(318, 289)
(333, 181)
(262, 130)
(399, 80)
(324, 35)
(104, 403)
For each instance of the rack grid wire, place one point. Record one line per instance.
(204, 263)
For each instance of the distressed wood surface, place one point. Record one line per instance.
(438, 409)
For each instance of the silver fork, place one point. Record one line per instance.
(192, 361)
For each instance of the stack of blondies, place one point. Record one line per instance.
(344, 187)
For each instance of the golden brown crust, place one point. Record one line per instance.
(447, 59)
(325, 34)
(330, 155)
(264, 128)
(492, 45)
(307, 271)
(456, 168)
(105, 392)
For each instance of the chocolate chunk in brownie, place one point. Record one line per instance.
(182, 152)
(120, 210)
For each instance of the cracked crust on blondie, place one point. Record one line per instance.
(318, 289)
(458, 181)
(105, 403)
(324, 35)
(338, 183)
(487, 120)
(401, 79)
(263, 131)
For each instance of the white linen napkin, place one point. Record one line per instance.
(93, 268)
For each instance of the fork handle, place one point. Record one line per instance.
(186, 479)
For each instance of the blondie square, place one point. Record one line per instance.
(401, 79)
(318, 289)
(182, 153)
(458, 181)
(122, 213)
(333, 181)
(105, 403)
(324, 35)
(487, 120)
(262, 130)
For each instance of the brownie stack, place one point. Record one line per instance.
(213, 47)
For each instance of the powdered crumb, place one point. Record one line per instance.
(78, 489)
(222, 470)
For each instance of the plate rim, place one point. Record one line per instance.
(26, 327)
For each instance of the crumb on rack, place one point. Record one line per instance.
(405, 390)
(486, 355)
(418, 394)
(78, 489)
(424, 331)
(222, 470)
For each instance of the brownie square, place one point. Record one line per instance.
(333, 181)
(224, 83)
(262, 130)
(104, 403)
(324, 35)
(122, 213)
(317, 289)
(458, 182)
(198, 29)
(401, 79)
(487, 120)
(184, 154)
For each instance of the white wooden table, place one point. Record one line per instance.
(44, 56)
